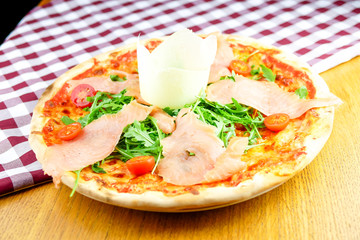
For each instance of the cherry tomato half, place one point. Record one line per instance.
(277, 122)
(141, 164)
(70, 131)
(80, 93)
(239, 67)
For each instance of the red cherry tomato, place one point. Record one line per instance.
(141, 164)
(239, 67)
(70, 131)
(277, 122)
(80, 93)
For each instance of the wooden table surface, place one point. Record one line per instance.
(321, 202)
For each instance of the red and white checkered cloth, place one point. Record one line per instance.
(53, 38)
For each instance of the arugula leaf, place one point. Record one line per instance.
(172, 112)
(96, 168)
(302, 92)
(254, 71)
(138, 133)
(66, 120)
(244, 58)
(190, 153)
(116, 78)
(268, 74)
(77, 172)
(232, 77)
(104, 103)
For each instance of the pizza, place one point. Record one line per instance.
(182, 123)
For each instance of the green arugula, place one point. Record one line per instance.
(267, 73)
(302, 92)
(77, 172)
(104, 103)
(116, 78)
(232, 77)
(172, 112)
(137, 132)
(141, 139)
(245, 58)
(254, 71)
(96, 167)
(66, 120)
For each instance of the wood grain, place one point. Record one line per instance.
(321, 202)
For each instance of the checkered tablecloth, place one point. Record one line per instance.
(53, 38)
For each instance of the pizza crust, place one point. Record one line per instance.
(208, 198)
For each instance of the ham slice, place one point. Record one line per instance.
(191, 136)
(96, 141)
(105, 84)
(164, 121)
(229, 162)
(194, 154)
(265, 96)
(224, 56)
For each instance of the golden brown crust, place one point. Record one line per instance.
(207, 198)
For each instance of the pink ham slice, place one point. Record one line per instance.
(164, 121)
(224, 55)
(105, 84)
(229, 162)
(191, 136)
(264, 96)
(210, 162)
(96, 141)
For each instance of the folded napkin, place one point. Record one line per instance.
(54, 37)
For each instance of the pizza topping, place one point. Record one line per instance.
(141, 164)
(277, 122)
(165, 122)
(302, 92)
(224, 56)
(69, 132)
(191, 135)
(116, 78)
(94, 143)
(80, 93)
(267, 73)
(265, 96)
(194, 154)
(239, 67)
(106, 84)
(229, 162)
(177, 70)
